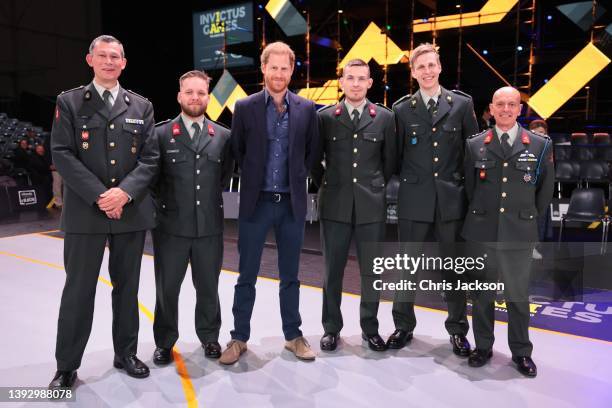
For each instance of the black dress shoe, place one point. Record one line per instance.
(461, 345)
(132, 366)
(212, 349)
(329, 341)
(478, 357)
(375, 342)
(63, 379)
(526, 366)
(162, 356)
(398, 339)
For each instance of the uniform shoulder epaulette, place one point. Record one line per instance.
(325, 107)
(458, 92)
(135, 94)
(402, 99)
(539, 135)
(383, 106)
(163, 122)
(219, 123)
(478, 134)
(73, 89)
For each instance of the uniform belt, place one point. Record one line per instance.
(274, 197)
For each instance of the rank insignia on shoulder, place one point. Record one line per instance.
(87, 95)
(176, 129)
(372, 111)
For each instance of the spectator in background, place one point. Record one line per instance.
(22, 154)
(487, 120)
(540, 127)
(39, 167)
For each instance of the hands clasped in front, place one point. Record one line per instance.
(112, 202)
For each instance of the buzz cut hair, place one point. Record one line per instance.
(277, 47)
(107, 39)
(356, 62)
(194, 74)
(423, 49)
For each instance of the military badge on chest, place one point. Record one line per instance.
(527, 157)
(85, 138)
(176, 130)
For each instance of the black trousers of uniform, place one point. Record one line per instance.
(336, 240)
(172, 254)
(83, 255)
(446, 233)
(512, 267)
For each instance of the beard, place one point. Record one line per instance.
(193, 110)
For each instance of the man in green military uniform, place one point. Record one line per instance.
(509, 180)
(432, 125)
(98, 133)
(188, 159)
(358, 149)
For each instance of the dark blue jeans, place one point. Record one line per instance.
(289, 233)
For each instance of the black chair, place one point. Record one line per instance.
(587, 205)
(563, 152)
(581, 148)
(595, 171)
(604, 145)
(567, 172)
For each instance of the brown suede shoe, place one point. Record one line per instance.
(232, 353)
(300, 347)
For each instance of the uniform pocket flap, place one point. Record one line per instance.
(373, 137)
(132, 128)
(86, 123)
(175, 158)
(527, 214)
(484, 164)
(525, 166)
(409, 178)
(214, 158)
(449, 127)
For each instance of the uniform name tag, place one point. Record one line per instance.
(173, 151)
(134, 121)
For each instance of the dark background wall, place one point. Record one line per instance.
(43, 46)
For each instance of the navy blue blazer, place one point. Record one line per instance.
(249, 146)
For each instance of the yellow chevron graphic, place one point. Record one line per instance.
(371, 44)
(589, 62)
(215, 108)
(492, 12)
(329, 93)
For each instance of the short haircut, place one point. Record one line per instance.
(194, 74)
(277, 47)
(423, 49)
(538, 123)
(107, 39)
(357, 62)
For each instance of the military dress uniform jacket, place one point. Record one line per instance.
(358, 163)
(431, 155)
(187, 180)
(506, 194)
(94, 149)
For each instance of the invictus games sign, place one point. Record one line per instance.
(214, 30)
